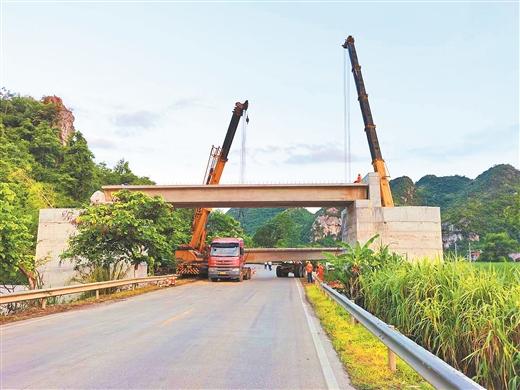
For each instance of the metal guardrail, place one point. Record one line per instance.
(433, 369)
(77, 288)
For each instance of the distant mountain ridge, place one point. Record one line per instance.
(469, 208)
(252, 219)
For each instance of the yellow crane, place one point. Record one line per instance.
(193, 256)
(370, 128)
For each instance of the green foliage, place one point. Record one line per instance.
(133, 229)
(291, 228)
(487, 204)
(327, 242)
(40, 170)
(252, 219)
(223, 225)
(120, 174)
(497, 247)
(468, 316)
(29, 142)
(356, 261)
(79, 168)
(441, 191)
(404, 192)
(15, 240)
(512, 215)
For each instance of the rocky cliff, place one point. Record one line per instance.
(64, 118)
(327, 224)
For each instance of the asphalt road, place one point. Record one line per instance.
(260, 333)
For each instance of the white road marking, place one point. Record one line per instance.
(326, 368)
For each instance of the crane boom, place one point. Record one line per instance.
(370, 128)
(217, 160)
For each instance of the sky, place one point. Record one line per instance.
(155, 83)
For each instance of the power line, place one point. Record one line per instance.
(346, 120)
(245, 122)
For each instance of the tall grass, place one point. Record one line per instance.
(468, 316)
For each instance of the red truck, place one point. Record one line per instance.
(227, 261)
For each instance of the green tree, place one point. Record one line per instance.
(40, 170)
(291, 228)
(223, 225)
(135, 228)
(78, 166)
(15, 241)
(512, 215)
(120, 174)
(349, 266)
(497, 247)
(46, 147)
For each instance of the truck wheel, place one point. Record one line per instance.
(212, 279)
(296, 272)
(278, 272)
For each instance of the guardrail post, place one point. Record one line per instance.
(44, 303)
(391, 360)
(97, 294)
(392, 365)
(353, 320)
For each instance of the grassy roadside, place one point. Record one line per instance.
(363, 355)
(36, 311)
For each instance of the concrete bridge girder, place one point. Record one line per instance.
(249, 195)
(261, 255)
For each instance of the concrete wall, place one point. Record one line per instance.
(413, 231)
(54, 229)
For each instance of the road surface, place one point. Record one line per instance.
(260, 333)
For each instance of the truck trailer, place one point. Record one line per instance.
(295, 267)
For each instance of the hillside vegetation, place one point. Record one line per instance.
(290, 228)
(252, 219)
(39, 169)
(471, 209)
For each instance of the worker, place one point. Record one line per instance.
(265, 265)
(358, 180)
(309, 268)
(320, 271)
(270, 265)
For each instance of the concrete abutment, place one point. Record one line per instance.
(412, 231)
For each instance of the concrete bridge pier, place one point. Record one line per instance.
(413, 231)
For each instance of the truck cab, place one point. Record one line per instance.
(227, 261)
